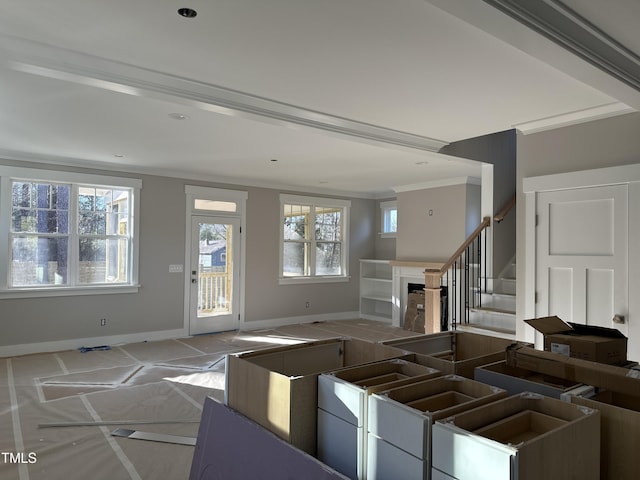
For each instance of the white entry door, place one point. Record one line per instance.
(581, 255)
(214, 274)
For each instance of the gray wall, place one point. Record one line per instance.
(603, 143)
(435, 238)
(159, 304)
(498, 149)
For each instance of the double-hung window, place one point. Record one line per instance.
(389, 218)
(67, 233)
(314, 239)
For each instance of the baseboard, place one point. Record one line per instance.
(279, 322)
(75, 343)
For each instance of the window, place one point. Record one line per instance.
(389, 218)
(314, 239)
(64, 232)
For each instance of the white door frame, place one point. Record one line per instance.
(626, 174)
(222, 195)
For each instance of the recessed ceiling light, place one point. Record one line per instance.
(178, 116)
(187, 12)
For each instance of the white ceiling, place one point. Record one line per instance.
(413, 73)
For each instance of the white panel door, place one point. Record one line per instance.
(581, 257)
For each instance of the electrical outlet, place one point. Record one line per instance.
(307, 304)
(103, 322)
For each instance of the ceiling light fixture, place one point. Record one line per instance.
(187, 12)
(178, 116)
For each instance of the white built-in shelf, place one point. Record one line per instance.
(376, 290)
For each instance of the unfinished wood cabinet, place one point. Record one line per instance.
(620, 414)
(523, 437)
(278, 387)
(454, 352)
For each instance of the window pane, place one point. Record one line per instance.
(296, 221)
(215, 205)
(21, 194)
(86, 199)
(391, 220)
(117, 224)
(294, 255)
(103, 260)
(328, 224)
(328, 258)
(92, 223)
(40, 208)
(38, 261)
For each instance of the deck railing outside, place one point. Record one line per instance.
(214, 289)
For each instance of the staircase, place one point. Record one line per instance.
(496, 314)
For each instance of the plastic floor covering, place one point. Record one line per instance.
(142, 382)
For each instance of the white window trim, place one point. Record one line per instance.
(384, 207)
(319, 202)
(7, 174)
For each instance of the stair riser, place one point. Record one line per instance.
(505, 285)
(496, 320)
(502, 302)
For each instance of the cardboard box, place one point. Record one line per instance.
(609, 377)
(517, 380)
(522, 437)
(454, 352)
(586, 342)
(414, 316)
(620, 433)
(278, 387)
(342, 409)
(400, 423)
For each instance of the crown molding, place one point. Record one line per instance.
(574, 118)
(446, 182)
(35, 160)
(564, 26)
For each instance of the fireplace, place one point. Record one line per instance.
(408, 277)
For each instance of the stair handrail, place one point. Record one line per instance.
(505, 210)
(434, 276)
(486, 221)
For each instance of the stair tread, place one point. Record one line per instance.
(486, 327)
(493, 310)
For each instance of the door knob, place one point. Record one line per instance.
(618, 319)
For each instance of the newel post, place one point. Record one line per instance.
(432, 301)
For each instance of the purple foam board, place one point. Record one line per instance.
(232, 447)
